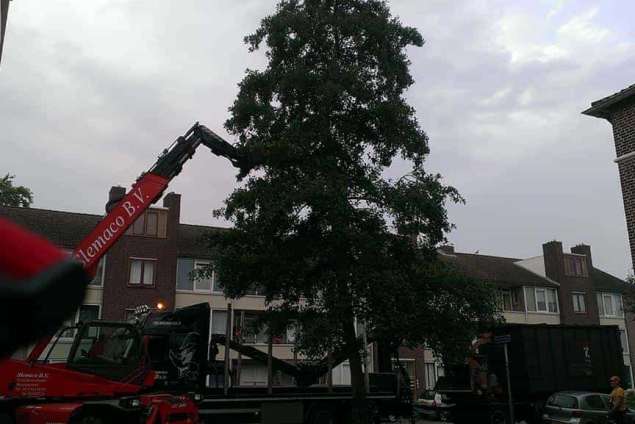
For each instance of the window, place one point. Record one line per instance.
(594, 403)
(579, 305)
(152, 223)
(430, 375)
(624, 340)
(84, 313)
(186, 276)
(610, 305)
(575, 265)
(98, 281)
(552, 302)
(248, 328)
(204, 277)
(530, 298)
(540, 299)
(509, 300)
(219, 322)
(142, 271)
(563, 401)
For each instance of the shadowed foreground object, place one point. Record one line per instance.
(4, 11)
(39, 287)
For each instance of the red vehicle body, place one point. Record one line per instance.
(53, 287)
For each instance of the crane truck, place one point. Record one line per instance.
(152, 370)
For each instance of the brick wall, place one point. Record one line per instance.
(118, 294)
(554, 257)
(622, 118)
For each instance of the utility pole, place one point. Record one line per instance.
(228, 337)
(509, 386)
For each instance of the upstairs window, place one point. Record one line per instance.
(189, 278)
(624, 340)
(509, 300)
(541, 299)
(204, 280)
(575, 266)
(152, 223)
(610, 305)
(98, 280)
(142, 272)
(579, 304)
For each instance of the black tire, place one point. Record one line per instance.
(498, 416)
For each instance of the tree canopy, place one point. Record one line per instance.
(317, 224)
(17, 196)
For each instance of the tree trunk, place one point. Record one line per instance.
(359, 405)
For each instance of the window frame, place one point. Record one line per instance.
(145, 226)
(579, 295)
(625, 349)
(575, 265)
(101, 270)
(76, 320)
(203, 262)
(141, 283)
(544, 290)
(617, 304)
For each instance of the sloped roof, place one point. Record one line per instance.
(191, 240)
(504, 272)
(603, 281)
(600, 108)
(66, 229)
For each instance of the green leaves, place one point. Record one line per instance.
(317, 225)
(16, 196)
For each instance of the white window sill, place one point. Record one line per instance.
(543, 313)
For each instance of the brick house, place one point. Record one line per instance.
(554, 288)
(152, 263)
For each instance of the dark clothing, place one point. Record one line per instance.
(617, 416)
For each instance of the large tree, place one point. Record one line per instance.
(316, 224)
(17, 196)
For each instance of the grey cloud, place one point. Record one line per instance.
(91, 92)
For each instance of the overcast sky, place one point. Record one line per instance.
(92, 91)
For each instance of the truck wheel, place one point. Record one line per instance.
(498, 416)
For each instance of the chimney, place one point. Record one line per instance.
(584, 249)
(115, 194)
(554, 259)
(446, 249)
(172, 201)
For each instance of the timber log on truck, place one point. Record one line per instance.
(542, 359)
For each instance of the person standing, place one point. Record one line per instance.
(617, 404)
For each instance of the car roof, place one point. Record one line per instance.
(578, 393)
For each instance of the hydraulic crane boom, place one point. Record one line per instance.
(35, 279)
(148, 189)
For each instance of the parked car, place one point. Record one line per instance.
(433, 405)
(580, 408)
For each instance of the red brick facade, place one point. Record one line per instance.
(554, 258)
(619, 110)
(119, 295)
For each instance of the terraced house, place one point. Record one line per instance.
(154, 263)
(554, 288)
